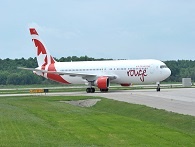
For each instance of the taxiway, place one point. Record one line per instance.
(179, 100)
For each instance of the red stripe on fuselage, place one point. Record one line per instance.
(55, 77)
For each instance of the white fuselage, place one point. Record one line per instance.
(125, 71)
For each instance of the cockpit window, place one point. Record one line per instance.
(163, 66)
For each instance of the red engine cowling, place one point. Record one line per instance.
(102, 82)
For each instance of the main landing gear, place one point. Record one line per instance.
(90, 90)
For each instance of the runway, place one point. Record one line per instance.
(180, 100)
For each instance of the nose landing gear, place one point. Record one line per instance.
(158, 87)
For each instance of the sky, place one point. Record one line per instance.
(117, 29)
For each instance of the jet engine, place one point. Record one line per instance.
(102, 83)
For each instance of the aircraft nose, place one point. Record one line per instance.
(168, 72)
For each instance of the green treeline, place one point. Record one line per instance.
(10, 75)
(181, 69)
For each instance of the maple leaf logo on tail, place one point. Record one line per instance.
(46, 63)
(40, 47)
(43, 56)
(33, 31)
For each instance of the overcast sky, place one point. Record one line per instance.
(118, 29)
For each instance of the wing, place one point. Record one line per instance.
(72, 74)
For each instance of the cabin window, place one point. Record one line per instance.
(163, 66)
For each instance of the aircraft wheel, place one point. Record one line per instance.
(88, 90)
(158, 89)
(104, 90)
(92, 90)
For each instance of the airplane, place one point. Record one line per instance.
(97, 73)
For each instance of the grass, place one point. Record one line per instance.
(44, 121)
